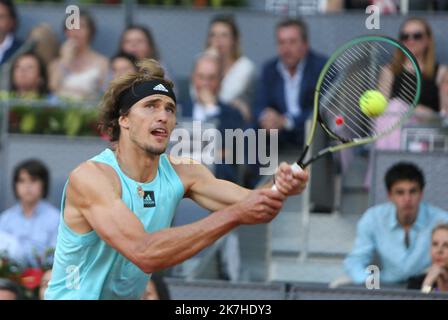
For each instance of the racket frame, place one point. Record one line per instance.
(358, 141)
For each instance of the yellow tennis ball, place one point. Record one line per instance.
(372, 103)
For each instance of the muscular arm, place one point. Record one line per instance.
(94, 193)
(215, 194)
(202, 186)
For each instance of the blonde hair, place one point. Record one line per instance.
(46, 44)
(147, 69)
(441, 226)
(429, 60)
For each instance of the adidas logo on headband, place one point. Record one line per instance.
(160, 87)
(141, 90)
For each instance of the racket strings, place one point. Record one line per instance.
(355, 119)
(355, 71)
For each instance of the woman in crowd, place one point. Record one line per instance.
(29, 77)
(436, 279)
(138, 41)
(416, 35)
(238, 71)
(32, 221)
(79, 72)
(121, 64)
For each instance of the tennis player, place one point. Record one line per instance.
(118, 206)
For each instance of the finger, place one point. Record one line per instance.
(285, 168)
(275, 204)
(273, 194)
(282, 189)
(303, 176)
(283, 185)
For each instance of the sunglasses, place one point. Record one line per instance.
(414, 36)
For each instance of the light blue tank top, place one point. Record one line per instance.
(86, 267)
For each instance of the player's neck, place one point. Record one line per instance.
(136, 163)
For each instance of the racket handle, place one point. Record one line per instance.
(295, 167)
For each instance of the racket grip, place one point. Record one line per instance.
(295, 167)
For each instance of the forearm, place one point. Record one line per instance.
(218, 194)
(355, 269)
(171, 246)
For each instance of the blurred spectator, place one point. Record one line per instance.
(79, 72)
(138, 41)
(286, 89)
(32, 221)
(29, 77)
(238, 71)
(203, 104)
(397, 232)
(9, 290)
(436, 277)
(44, 284)
(121, 64)
(416, 35)
(45, 43)
(8, 23)
(156, 289)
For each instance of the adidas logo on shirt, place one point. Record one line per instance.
(148, 199)
(160, 87)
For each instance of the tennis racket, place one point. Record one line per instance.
(357, 100)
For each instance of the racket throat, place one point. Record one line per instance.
(320, 154)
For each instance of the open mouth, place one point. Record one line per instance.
(160, 132)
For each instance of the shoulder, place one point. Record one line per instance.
(270, 65)
(100, 59)
(91, 176)
(436, 212)
(377, 213)
(50, 214)
(8, 213)
(49, 208)
(244, 63)
(317, 58)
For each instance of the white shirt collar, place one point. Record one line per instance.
(285, 72)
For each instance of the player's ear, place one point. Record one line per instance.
(123, 121)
